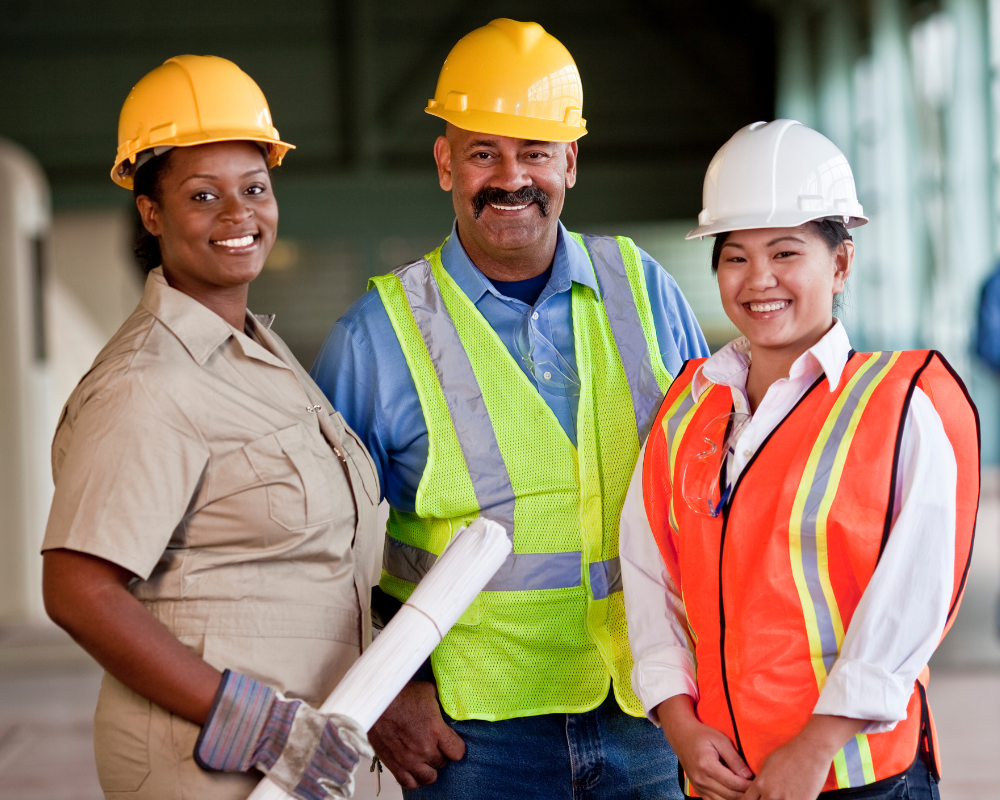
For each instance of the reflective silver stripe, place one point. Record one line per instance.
(520, 572)
(476, 437)
(605, 577)
(811, 509)
(852, 756)
(524, 571)
(405, 561)
(674, 420)
(626, 327)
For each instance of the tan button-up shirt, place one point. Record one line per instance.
(208, 463)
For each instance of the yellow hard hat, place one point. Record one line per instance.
(193, 100)
(513, 79)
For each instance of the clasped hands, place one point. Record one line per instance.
(795, 771)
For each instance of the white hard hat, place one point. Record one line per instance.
(777, 174)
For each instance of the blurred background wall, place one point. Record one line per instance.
(909, 90)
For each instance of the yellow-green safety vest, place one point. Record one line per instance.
(548, 633)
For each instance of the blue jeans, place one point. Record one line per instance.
(602, 754)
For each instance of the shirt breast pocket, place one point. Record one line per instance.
(297, 493)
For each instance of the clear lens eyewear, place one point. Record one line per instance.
(544, 362)
(704, 485)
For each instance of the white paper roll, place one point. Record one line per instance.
(449, 587)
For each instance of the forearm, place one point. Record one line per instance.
(827, 734)
(798, 769)
(674, 712)
(87, 597)
(675, 715)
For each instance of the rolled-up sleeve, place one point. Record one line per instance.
(657, 627)
(346, 371)
(902, 613)
(127, 464)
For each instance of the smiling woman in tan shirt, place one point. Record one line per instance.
(212, 511)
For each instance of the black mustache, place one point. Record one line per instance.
(491, 195)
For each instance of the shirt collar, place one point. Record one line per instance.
(197, 327)
(570, 265)
(730, 365)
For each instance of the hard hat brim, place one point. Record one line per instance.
(777, 221)
(276, 152)
(512, 125)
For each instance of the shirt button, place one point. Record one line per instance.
(547, 376)
(534, 315)
(747, 453)
(738, 404)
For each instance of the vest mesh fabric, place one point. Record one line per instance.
(541, 462)
(517, 653)
(438, 515)
(640, 294)
(607, 434)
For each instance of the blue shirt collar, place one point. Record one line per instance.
(570, 265)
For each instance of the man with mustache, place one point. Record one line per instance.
(513, 373)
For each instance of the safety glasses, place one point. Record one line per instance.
(540, 356)
(704, 485)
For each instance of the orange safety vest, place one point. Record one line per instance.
(771, 584)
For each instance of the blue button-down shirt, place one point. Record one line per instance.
(362, 370)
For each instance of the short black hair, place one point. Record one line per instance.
(147, 180)
(832, 231)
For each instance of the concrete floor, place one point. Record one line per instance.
(48, 690)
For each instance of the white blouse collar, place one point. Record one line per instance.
(730, 365)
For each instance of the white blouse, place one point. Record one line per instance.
(902, 613)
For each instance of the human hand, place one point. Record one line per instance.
(709, 759)
(797, 770)
(412, 739)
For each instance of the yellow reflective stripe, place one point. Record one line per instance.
(675, 431)
(819, 569)
(852, 765)
(691, 632)
(675, 423)
(808, 546)
(831, 493)
(840, 770)
(866, 758)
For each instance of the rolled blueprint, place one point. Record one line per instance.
(441, 597)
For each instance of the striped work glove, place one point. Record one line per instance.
(309, 754)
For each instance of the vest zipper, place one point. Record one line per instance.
(722, 629)
(722, 548)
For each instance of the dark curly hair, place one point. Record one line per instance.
(833, 232)
(147, 181)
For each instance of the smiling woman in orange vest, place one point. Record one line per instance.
(797, 533)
